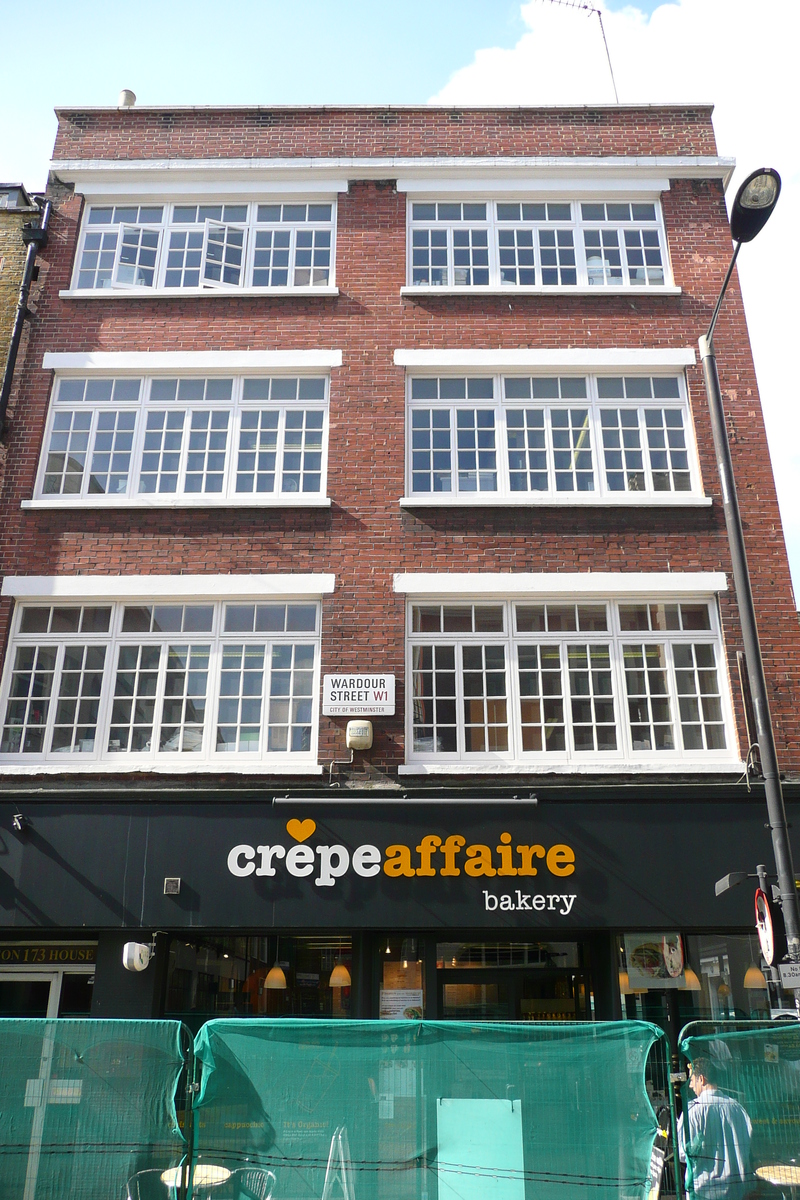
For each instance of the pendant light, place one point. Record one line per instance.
(754, 979)
(340, 976)
(276, 980)
(691, 982)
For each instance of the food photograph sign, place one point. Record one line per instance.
(654, 960)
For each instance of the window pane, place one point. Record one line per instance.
(572, 450)
(184, 704)
(78, 703)
(239, 711)
(133, 708)
(590, 685)
(434, 699)
(541, 699)
(28, 705)
(485, 705)
(647, 688)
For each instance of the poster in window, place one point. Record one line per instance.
(655, 960)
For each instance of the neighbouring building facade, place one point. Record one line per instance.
(17, 208)
(386, 415)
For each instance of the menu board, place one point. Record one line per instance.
(401, 1004)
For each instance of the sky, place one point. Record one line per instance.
(733, 53)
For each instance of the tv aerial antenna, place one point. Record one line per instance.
(589, 9)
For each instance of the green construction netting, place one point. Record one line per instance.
(426, 1110)
(86, 1105)
(756, 1070)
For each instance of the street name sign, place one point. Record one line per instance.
(355, 694)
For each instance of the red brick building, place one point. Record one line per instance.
(400, 397)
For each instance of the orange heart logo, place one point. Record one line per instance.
(300, 830)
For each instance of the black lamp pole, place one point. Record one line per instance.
(752, 208)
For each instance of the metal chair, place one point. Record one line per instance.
(252, 1183)
(148, 1185)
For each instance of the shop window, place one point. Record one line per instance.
(715, 977)
(513, 981)
(237, 977)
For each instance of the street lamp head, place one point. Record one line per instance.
(729, 881)
(754, 203)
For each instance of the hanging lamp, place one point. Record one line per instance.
(754, 979)
(691, 981)
(276, 979)
(340, 976)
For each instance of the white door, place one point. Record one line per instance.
(29, 993)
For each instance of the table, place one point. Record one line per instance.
(203, 1175)
(781, 1175)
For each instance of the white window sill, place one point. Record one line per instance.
(144, 293)
(167, 501)
(510, 290)
(560, 500)
(617, 767)
(180, 767)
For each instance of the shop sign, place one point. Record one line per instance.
(302, 855)
(338, 861)
(57, 954)
(354, 694)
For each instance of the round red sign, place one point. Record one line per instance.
(764, 927)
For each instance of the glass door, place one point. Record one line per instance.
(29, 993)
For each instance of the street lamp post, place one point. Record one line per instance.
(752, 207)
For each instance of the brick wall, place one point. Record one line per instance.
(12, 264)
(328, 132)
(365, 537)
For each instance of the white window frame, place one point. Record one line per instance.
(576, 224)
(146, 367)
(205, 287)
(601, 494)
(596, 589)
(117, 592)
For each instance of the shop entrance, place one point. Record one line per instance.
(46, 993)
(507, 981)
(43, 987)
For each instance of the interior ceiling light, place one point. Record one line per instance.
(275, 980)
(340, 976)
(754, 979)
(691, 982)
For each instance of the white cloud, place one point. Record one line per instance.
(740, 56)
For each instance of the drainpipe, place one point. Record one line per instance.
(35, 238)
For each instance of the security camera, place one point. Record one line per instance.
(136, 956)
